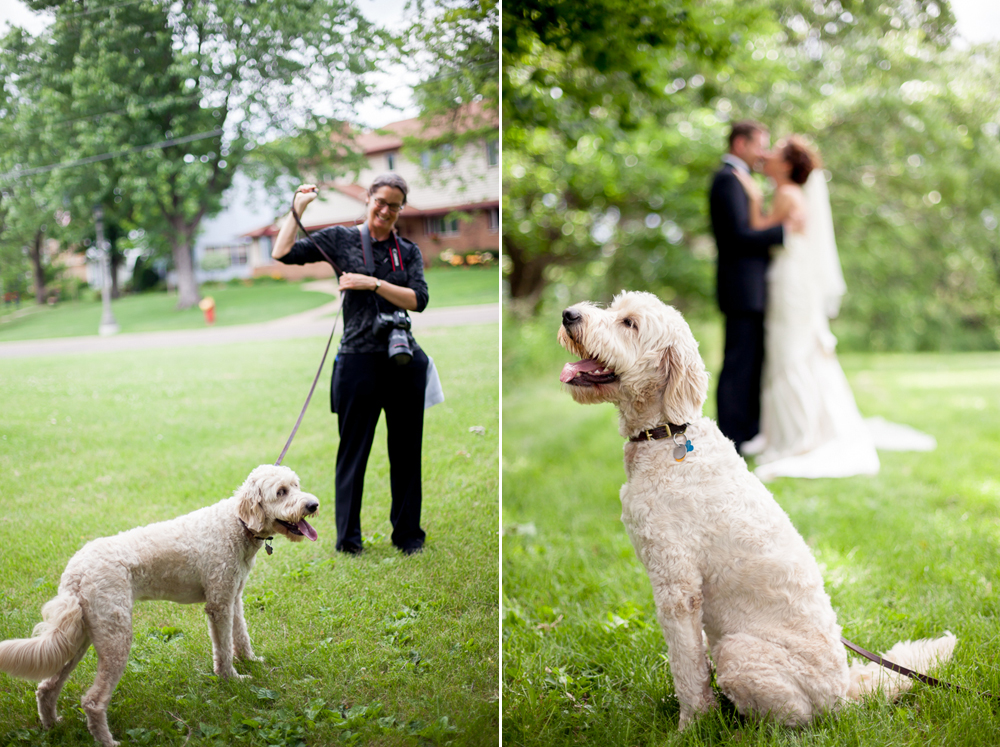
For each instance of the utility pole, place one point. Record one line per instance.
(109, 325)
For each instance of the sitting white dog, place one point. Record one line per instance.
(726, 564)
(204, 556)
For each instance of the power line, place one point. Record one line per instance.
(20, 173)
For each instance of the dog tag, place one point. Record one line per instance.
(681, 449)
(267, 546)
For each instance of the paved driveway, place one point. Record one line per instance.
(314, 323)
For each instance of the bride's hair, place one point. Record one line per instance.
(802, 157)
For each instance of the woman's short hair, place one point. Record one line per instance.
(389, 179)
(801, 156)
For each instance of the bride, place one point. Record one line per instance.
(810, 425)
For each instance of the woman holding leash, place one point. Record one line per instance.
(385, 276)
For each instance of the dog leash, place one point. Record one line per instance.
(338, 272)
(899, 669)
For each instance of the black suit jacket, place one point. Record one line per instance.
(743, 252)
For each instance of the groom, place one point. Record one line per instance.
(741, 284)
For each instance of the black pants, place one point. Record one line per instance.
(738, 394)
(365, 384)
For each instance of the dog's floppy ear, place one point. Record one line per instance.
(250, 504)
(686, 382)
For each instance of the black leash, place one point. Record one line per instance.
(899, 669)
(338, 272)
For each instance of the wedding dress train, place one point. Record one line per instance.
(810, 424)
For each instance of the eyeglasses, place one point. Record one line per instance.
(380, 204)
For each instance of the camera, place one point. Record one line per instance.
(395, 324)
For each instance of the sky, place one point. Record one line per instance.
(977, 20)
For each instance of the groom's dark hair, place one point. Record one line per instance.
(745, 128)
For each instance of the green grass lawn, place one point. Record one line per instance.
(463, 286)
(379, 649)
(909, 553)
(235, 304)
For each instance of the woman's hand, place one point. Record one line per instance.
(303, 196)
(283, 242)
(753, 189)
(397, 295)
(357, 281)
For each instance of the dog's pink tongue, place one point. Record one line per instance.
(307, 531)
(570, 370)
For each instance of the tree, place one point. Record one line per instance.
(183, 94)
(586, 87)
(25, 211)
(454, 46)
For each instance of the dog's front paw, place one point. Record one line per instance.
(250, 656)
(48, 723)
(690, 712)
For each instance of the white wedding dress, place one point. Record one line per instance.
(810, 424)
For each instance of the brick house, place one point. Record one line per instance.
(453, 203)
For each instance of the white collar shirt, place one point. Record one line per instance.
(736, 162)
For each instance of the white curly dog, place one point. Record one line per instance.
(202, 557)
(731, 576)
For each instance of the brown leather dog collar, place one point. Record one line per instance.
(253, 535)
(667, 430)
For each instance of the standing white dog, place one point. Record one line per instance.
(203, 557)
(726, 564)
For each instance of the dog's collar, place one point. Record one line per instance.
(667, 430)
(254, 535)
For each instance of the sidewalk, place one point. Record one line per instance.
(313, 323)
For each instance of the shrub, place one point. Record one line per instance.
(477, 257)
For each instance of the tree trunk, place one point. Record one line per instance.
(527, 277)
(35, 253)
(187, 287)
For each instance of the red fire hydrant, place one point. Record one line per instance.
(207, 304)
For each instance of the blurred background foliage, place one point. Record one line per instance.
(616, 115)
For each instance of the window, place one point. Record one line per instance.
(221, 257)
(390, 161)
(493, 216)
(442, 226)
(264, 245)
(492, 152)
(238, 254)
(441, 157)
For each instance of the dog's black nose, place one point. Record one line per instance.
(311, 507)
(571, 317)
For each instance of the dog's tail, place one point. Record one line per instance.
(919, 656)
(53, 643)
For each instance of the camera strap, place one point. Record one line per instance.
(366, 248)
